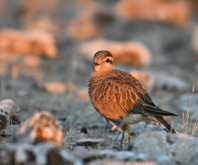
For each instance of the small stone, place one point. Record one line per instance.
(83, 93)
(55, 87)
(31, 61)
(89, 142)
(165, 160)
(84, 130)
(142, 157)
(97, 126)
(125, 155)
(84, 24)
(78, 149)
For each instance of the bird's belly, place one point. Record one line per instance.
(133, 118)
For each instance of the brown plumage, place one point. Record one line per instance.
(117, 95)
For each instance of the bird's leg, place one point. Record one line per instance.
(114, 126)
(129, 132)
(125, 127)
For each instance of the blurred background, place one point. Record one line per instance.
(46, 50)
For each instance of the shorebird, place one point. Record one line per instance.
(120, 97)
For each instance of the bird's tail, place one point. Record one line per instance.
(164, 122)
(158, 113)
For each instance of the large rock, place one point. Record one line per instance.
(182, 148)
(41, 127)
(26, 42)
(130, 53)
(176, 12)
(40, 154)
(9, 111)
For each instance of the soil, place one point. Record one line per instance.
(172, 53)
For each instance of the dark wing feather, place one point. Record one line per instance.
(149, 106)
(156, 111)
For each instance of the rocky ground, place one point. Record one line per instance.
(45, 61)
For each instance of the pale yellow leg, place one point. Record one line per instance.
(126, 127)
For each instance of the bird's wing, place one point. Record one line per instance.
(115, 98)
(149, 106)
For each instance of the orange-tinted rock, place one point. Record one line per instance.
(36, 6)
(42, 23)
(82, 28)
(55, 87)
(28, 42)
(7, 58)
(83, 94)
(176, 12)
(143, 77)
(130, 53)
(41, 127)
(88, 6)
(31, 61)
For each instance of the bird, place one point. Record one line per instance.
(120, 98)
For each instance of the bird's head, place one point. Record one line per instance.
(103, 61)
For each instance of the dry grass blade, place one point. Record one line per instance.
(187, 112)
(195, 127)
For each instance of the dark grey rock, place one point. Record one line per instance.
(41, 154)
(89, 142)
(165, 160)
(167, 148)
(9, 111)
(185, 149)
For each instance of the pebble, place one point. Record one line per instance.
(89, 142)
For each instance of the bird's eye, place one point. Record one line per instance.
(107, 60)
